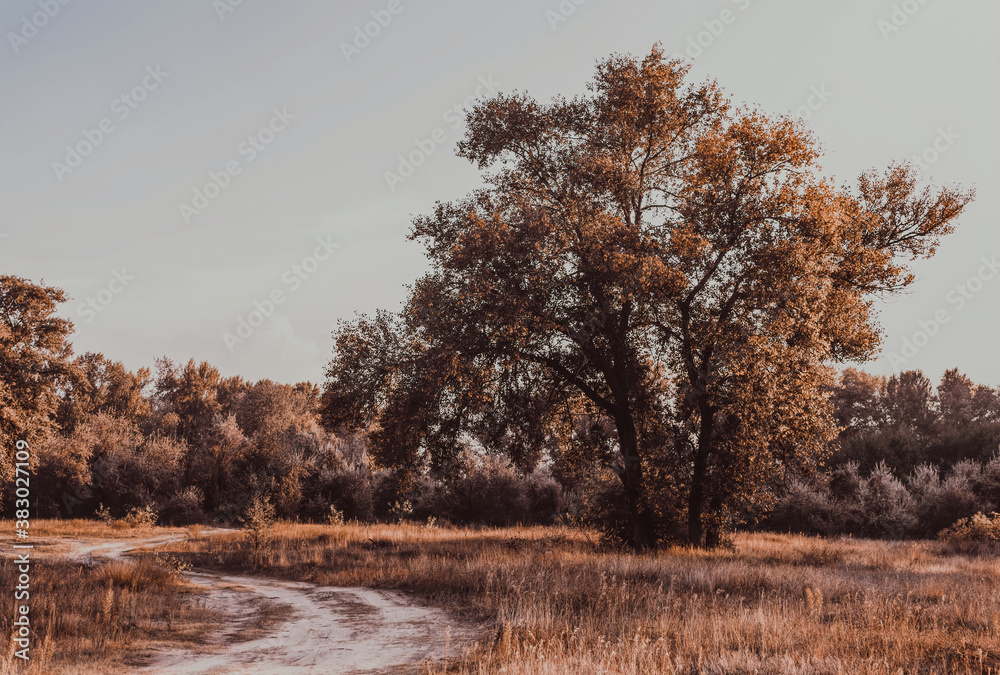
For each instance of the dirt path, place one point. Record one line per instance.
(92, 551)
(289, 627)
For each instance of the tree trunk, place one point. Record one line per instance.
(643, 530)
(713, 533)
(696, 500)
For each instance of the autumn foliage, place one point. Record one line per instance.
(651, 259)
(634, 323)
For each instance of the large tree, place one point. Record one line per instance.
(34, 363)
(188, 396)
(100, 385)
(652, 255)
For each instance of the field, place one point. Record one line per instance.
(552, 601)
(99, 619)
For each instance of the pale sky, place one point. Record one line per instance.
(155, 98)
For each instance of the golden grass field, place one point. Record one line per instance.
(551, 600)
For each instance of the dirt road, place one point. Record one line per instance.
(288, 627)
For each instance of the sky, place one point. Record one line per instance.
(224, 180)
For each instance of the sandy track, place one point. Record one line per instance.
(89, 550)
(331, 630)
(327, 629)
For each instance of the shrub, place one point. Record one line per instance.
(490, 491)
(336, 517)
(988, 487)
(402, 509)
(183, 507)
(924, 482)
(429, 497)
(129, 470)
(958, 493)
(349, 490)
(845, 485)
(925, 488)
(545, 496)
(103, 514)
(603, 507)
(805, 508)
(62, 475)
(141, 516)
(971, 534)
(287, 494)
(886, 508)
(845, 481)
(941, 503)
(388, 488)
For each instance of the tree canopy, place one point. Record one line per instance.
(652, 255)
(34, 353)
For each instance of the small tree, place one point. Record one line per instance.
(257, 521)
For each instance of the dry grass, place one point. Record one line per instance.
(100, 619)
(83, 528)
(554, 602)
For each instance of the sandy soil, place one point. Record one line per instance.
(289, 627)
(94, 551)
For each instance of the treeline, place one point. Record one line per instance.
(188, 445)
(880, 504)
(193, 446)
(906, 421)
(911, 459)
(183, 444)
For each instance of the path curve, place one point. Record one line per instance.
(320, 629)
